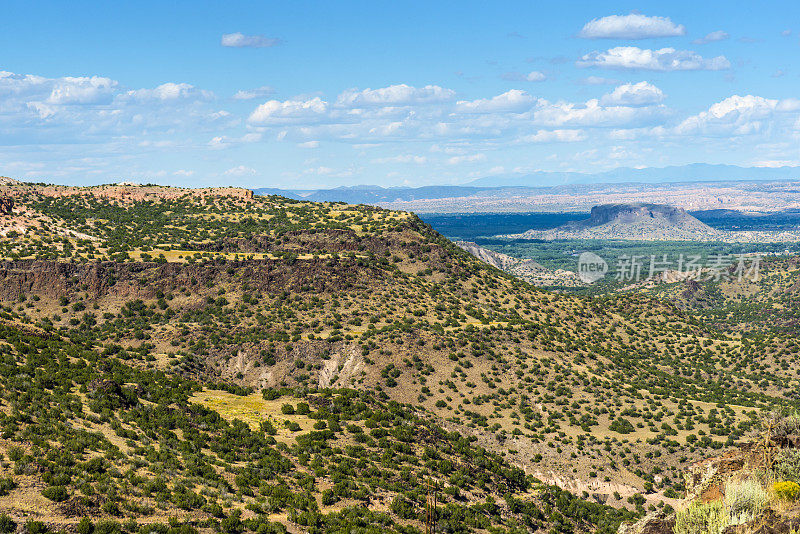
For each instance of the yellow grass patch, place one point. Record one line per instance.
(253, 410)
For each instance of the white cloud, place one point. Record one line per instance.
(82, 90)
(240, 40)
(598, 80)
(592, 114)
(512, 101)
(633, 26)
(258, 92)
(777, 163)
(471, 158)
(664, 59)
(170, 91)
(736, 115)
(403, 158)
(309, 144)
(394, 95)
(718, 35)
(633, 94)
(554, 136)
(533, 76)
(277, 112)
(183, 172)
(240, 170)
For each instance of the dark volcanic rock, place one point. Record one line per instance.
(6, 205)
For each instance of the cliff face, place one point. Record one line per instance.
(144, 280)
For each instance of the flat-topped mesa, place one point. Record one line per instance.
(631, 213)
(633, 221)
(135, 193)
(128, 192)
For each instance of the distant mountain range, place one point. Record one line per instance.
(696, 172)
(510, 185)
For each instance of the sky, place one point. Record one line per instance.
(303, 95)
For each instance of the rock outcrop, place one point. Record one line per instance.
(6, 205)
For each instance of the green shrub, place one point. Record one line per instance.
(85, 526)
(744, 500)
(787, 465)
(107, 527)
(7, 525)
(287, 409)
(56, 493)
(35, 527)
(403, 508)
(6, 485)
(622, 425)
(701, 518)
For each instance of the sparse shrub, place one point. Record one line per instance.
(701, 518)
(786, 490)
(744, 500)
(787, 465)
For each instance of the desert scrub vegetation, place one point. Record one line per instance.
(701, 518)
(744, 500)
(400, 355)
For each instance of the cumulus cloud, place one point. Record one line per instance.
(240, 40)
(718, 35)
(470, 158)
(394, 95)
(633, 26)
(664, 59)
(277, 112)
(598, 80)
(554, 136)
(82, 90)
(593, 114)
(534, 76)
(775, 163)
(736, 115)
(240, 170)
(170, 91)
(514, 100)
(259, 92)
(403, 158)
(633, 94)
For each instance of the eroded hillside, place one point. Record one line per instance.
(606, 397)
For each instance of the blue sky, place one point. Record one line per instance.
(316, 94)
